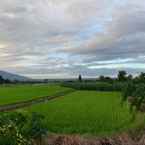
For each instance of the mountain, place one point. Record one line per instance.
(12, 77)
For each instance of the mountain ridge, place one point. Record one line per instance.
(12, 76)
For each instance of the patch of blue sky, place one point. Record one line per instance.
(90, 31)
(119, 66)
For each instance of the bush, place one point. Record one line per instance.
(127, 90)
(139, 96)
(97, 86)
(10, 133)
(17, 129)
(135, 93)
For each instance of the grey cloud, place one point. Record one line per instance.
(124, 37)
(52, 36)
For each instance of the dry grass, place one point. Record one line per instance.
(123, 139)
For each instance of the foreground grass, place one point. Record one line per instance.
(17, 93)
(86, 112)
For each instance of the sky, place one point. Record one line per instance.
(64, 38)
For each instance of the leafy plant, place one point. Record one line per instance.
(139, 95)
(18, 129)
(10, 133)
(128, 90)
(36, 128)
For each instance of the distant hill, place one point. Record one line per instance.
(12, 77)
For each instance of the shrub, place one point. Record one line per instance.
(135, 93)
(127, 90)
(17, 129)
(10, 133)
(97, 86)
(139, 95)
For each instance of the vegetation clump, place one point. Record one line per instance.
(18, 129)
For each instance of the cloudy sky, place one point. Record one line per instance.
(62, 38)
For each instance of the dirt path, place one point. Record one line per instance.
(22, 104)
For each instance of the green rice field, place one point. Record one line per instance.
(16, 93)
(80, 112)
(87, 112)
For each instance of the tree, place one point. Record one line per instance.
(130, 77)
(122, 75)
(80, 78)
(105, 79)
(1, 80)
(7, 81)
(102, 78)
(142, 77)
(108, 79)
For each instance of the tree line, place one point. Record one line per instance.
(4, 81)
(122, 76)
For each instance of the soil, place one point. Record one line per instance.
(123, 139)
